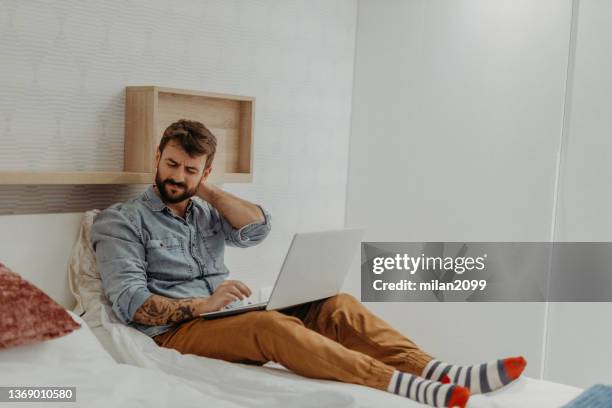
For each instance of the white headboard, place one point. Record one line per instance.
(38, 247)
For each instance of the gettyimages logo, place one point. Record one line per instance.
(486, 271)
(458, 264)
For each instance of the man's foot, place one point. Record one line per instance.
(480, 378)
(429, 392)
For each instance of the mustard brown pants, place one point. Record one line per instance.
(336, 338)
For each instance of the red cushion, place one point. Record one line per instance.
(27, 314)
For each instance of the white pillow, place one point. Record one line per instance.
(84, 279)
(86, 286)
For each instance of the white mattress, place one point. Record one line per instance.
(273, 386)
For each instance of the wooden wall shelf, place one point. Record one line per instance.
(148, 111)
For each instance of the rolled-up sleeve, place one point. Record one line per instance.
(120, 260)
(248, 235)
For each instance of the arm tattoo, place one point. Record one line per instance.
(159, 310)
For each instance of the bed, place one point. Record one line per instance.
(114, 365)
(272, 385)
(156, 377)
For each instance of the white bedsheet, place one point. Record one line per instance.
(79, 360)
(276, 387)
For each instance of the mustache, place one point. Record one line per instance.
(174, 183)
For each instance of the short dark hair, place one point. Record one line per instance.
(194, 138)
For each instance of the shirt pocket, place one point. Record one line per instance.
(166, 259)
(211, 229)
(214, 242)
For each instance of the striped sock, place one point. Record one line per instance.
(429, 392)
(480, 378)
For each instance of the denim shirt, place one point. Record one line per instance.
(142, 248)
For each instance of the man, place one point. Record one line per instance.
(160, 257)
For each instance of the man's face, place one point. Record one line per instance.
(178, 175)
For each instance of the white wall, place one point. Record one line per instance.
(65, 65)
(456, 123)
(579, 351)
(38, 247)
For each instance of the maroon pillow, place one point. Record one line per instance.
(27, 314)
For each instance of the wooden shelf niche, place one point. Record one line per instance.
(149, 110)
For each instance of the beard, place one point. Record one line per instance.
(167, 194)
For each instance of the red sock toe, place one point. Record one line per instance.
(459, 397)
(445, 379)
(514, 366)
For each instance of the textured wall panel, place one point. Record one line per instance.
(35, 199)
(64, 66)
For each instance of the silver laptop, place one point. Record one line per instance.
(314, 268)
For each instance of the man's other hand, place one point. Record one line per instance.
(227, 292)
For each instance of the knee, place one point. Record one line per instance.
(341, 302)
(343, 299)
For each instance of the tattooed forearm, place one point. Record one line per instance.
(159, 310)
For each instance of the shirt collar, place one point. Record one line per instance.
(188, 208)
(153, 201)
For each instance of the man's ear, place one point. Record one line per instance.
(157, 157)
(206, 173)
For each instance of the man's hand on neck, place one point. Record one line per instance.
(239, 212)
(208, 192)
